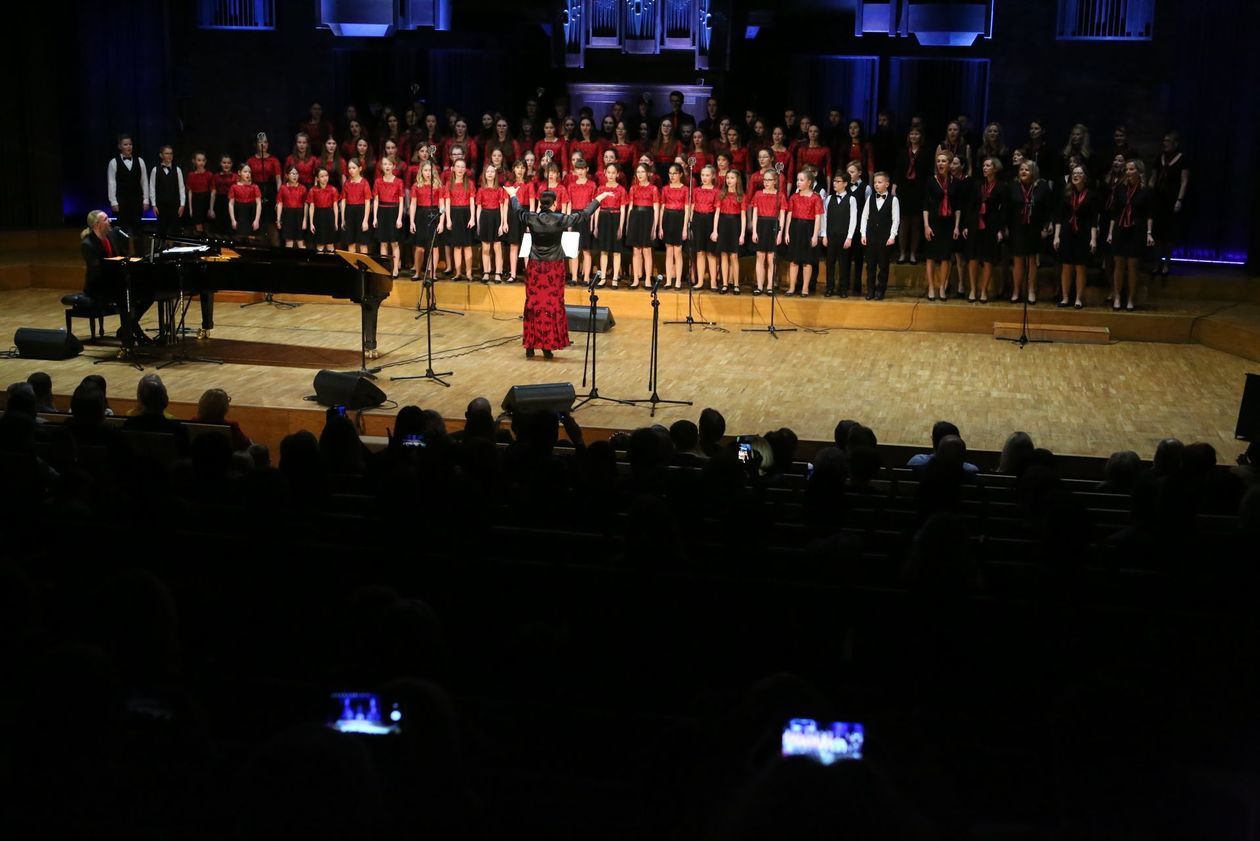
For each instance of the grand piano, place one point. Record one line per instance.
(190, 266)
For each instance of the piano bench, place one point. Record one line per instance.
(79, 305)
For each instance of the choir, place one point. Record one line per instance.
(826, 199)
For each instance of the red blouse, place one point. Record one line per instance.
(667, 153)
(616, 200)
(242, 193)
(264, 169)
(460, 194)
(291, 196)
(704, 199)
(323, 197)
(524, 193)
(559, 152)
(306, 168)
(592, 150)
(357, 192)
(674, 198)
(642, 195)
(491, 198)
(388, 192)
(223, 182)
(732, 204)
(818, 157)
(581, 194)
(426, 195)
(767, 205)
(805, 207)
(200, 182)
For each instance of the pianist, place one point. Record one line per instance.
(100, 241)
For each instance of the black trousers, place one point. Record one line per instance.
(207, 310)
(877, 259)
(129, 211)
(856, 258)
(837, 263)
(168, 219)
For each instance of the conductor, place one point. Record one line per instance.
(546, 325)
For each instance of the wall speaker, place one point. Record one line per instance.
(1249, 410)
(579, 318)
(36, 343)
(545, 397)
(352, 390)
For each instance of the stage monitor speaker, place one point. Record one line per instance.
(37, 343)
(545, 397)
(579, 318)
(1249, 410)
(333, 388)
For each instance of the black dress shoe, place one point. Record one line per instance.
(827, 293)
(870, 296)
(879, 296)
(548, 354)
(844, 293)
(529, 353)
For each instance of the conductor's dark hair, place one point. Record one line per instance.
(673, 94)
(547, 199)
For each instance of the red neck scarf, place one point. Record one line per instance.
(912, 172)
(109, 248)
(1078, 199)
(985, 190)
(1126, 215)
(1026, 213)
(944, 209)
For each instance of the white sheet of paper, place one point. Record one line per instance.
(527, 242)
(569, 243)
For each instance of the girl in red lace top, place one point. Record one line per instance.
(427, 220)
(728, 230)
(703, 212)
(675, 213)
(645, 213)
(356, 198)
(491, 213)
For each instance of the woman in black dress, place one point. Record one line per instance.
(985, 238)
(942, 218)
(964, 187)
(1028, 220)
(1076, 233)
(1130, 232)
(1170, 176)
(912, 172)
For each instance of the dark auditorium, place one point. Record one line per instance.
(733, 420)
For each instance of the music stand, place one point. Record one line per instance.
(180, 333)
(592, 348)
(364, 265)
(127, 354)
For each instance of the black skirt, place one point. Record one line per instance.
(199, 207)
(1025, 240)
(1129, 242)
(514, 231)
(488, 226)
(672, 222)
(606, 235)
(459, 235)
(799, 249)
(325, 226)
(728, 232)
(767, 233)
(426, 223)
(701, 231)
(1074, 246)
(639, 233)
(223, 222)
(941, 245)
(290, 223)
(387, 229)
(985, 246)
(355, 235)
(245, 219)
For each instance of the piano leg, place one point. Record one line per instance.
(370, 308)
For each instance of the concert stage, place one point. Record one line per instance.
(1176, 367)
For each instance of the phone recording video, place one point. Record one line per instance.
(745, 452)
(415, 441)
(341, 409)
(364, 713)
(838, 741)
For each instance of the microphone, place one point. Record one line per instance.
(122, 233)
(656, 282)
(432, 150)
(778, 167)
(261, 136)
(548, 155)
(595, 278)
(691, 161)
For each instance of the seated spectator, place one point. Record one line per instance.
(261, 455)
(686, 438)
(17, 427)
(940, 431)
(340, 448)
(150, 414)
(783, 442)
(42, 383)
(1167, 461)
(1121, 473)
(481, 424)
(213, 408)
(712, 427)
(99, 381)
(1016, 454)
(841, 435)
(87, 417)
(1248, 469)
(147, 382)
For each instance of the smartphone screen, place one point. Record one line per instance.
(364, 713)
(414, 441)
(745, 452)
(840, 740)
(341, 410)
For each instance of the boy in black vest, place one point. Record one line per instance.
(166, 187)
(127, 184)
(840, 217)
(856, 256)
(880, 221)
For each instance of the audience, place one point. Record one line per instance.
(42, 384)
(213, 408)
(523, 604)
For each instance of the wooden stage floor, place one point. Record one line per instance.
(923, 363)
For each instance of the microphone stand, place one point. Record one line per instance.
(426, 309)
(770, 328)
(690, 252)
(268, 297)
(655, 398)
(591, 349)
(127, 355)
(427, 306)
(1023, 339)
